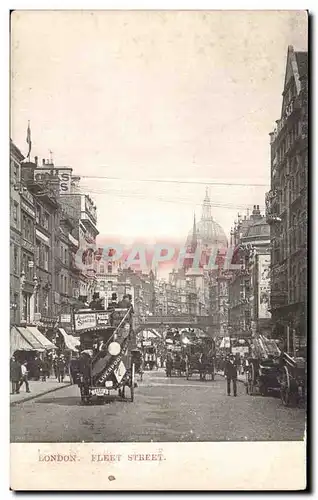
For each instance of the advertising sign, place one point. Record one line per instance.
(65, 318)
(64, 175)
(84, 320)
(146, 343)
(102, 319)
(240, 350)
(264, 286)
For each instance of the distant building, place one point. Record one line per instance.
(249, 286)
(287, 206)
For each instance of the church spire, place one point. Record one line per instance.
(206, 207)
(192, 246)
(194, 240)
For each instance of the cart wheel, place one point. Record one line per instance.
(251, 380)
(132, 386)
(285, 387)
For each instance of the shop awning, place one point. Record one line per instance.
(31, 339)
(70, 341)
(47, 344)
(18, 342)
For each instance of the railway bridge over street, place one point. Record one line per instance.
(159, 324)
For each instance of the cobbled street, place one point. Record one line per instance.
(164, 409)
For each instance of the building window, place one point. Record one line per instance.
(15, 169)
(110, 267)
(26, 308)
(37, 252)
(15, 260)
(46, 303)
(37, 213)
(15, 211)
(46, 220)
(101, 268)
(102, 286)
(46, 258)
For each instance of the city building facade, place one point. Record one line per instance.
(287, 207)
(249, 285)
(16, 188)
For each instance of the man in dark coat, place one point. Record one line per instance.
(84, 366)
(112, 306)
(36, 368)
(124, 303)
(74, 369)
(15, 375)
(60, 369)
(230, 373)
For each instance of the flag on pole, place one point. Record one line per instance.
(28, 139)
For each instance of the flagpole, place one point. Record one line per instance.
(28, 140)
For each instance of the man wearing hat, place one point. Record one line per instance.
(230, 373)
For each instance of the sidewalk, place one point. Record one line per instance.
(37, 388)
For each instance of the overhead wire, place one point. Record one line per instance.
(175, 200)
(174, 181)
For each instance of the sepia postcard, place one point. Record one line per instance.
(158, 250)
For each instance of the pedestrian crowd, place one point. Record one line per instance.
(37, 369)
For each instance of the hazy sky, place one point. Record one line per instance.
(154, 95)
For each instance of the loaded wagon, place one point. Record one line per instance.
(263, 367)
(293, 375)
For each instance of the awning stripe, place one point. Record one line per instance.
(18, 342)
(29, 337)
(70, 341)
(47, 344)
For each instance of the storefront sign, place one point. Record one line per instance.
(84, 320)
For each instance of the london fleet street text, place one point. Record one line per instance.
(102, 457)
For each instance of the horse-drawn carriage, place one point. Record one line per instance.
(200, 357)
(107, 361)
(175, 363)
(271, 370)
(263, 367)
